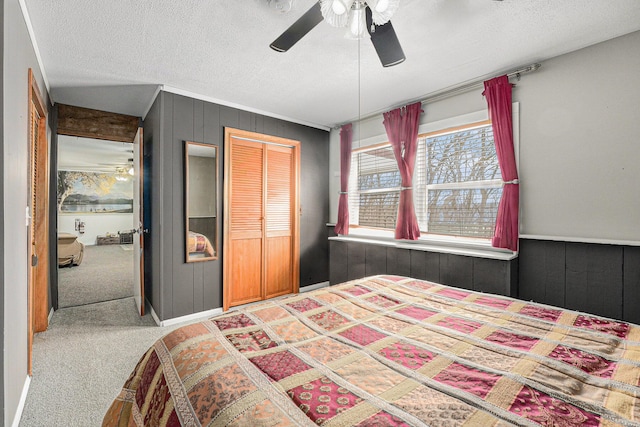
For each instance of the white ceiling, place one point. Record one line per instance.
(93, 155)
(111, 55)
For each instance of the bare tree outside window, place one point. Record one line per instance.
(457, 184)
(463, 183)
(378, 188)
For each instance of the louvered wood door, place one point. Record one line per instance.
(246, 220)
(39, 223)
(38, 252)
(261, 249)
(278, 224)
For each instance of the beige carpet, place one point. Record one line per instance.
(106, 274)
(81, 362)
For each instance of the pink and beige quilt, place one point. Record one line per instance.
(389, 351)
(199, 243)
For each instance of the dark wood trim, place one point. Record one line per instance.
(88, 123)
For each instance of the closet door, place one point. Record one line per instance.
(243, 255)
(261, 238)
(280, 187)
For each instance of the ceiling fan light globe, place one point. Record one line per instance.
(378, 5)
(338, 7)
(330, 9)
(357, 26)
(382, 6)
(282, 6)
(382, 10)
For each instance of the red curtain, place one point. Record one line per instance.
(402, 129)
(498, 94)
(346, 136)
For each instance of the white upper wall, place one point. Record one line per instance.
(95, 225)
(579, 148)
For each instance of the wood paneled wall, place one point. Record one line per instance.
(353, 260)
(594, 278)
(173, 287)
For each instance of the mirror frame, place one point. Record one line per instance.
(210, 241)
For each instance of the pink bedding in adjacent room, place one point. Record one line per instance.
(199, 244)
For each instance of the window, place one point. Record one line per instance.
(457, 183)
(377, 187)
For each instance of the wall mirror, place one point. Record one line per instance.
(201, 183)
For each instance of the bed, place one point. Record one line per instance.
(199, 245)
(389, 351)
(70, 250)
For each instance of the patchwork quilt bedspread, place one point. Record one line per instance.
(199, 243)
(389, 351)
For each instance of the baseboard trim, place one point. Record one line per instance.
(21, 403)
(215, 311)
(183, 319)
(154, 315)
(314, 287)
(50, 316)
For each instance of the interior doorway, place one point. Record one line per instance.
(95, 205)
(98, 207)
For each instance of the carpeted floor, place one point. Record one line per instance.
(106, 273)
(81, 362)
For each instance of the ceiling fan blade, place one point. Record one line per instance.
(298, 30)
(385, 41)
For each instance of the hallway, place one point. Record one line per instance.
(82, 361)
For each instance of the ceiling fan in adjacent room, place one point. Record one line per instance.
(362, 18)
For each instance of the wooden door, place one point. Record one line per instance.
(243, 253)
(38, 255)
(261, 237)
(279, 219)
(138, 241)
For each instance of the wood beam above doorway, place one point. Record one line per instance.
(88, 123)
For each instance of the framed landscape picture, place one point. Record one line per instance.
(87, 192)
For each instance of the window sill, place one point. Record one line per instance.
(441, 244)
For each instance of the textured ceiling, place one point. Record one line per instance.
(93, 155)
(110, 55)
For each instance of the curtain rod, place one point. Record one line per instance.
(448, 92)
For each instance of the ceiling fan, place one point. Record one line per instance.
(363, 18)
